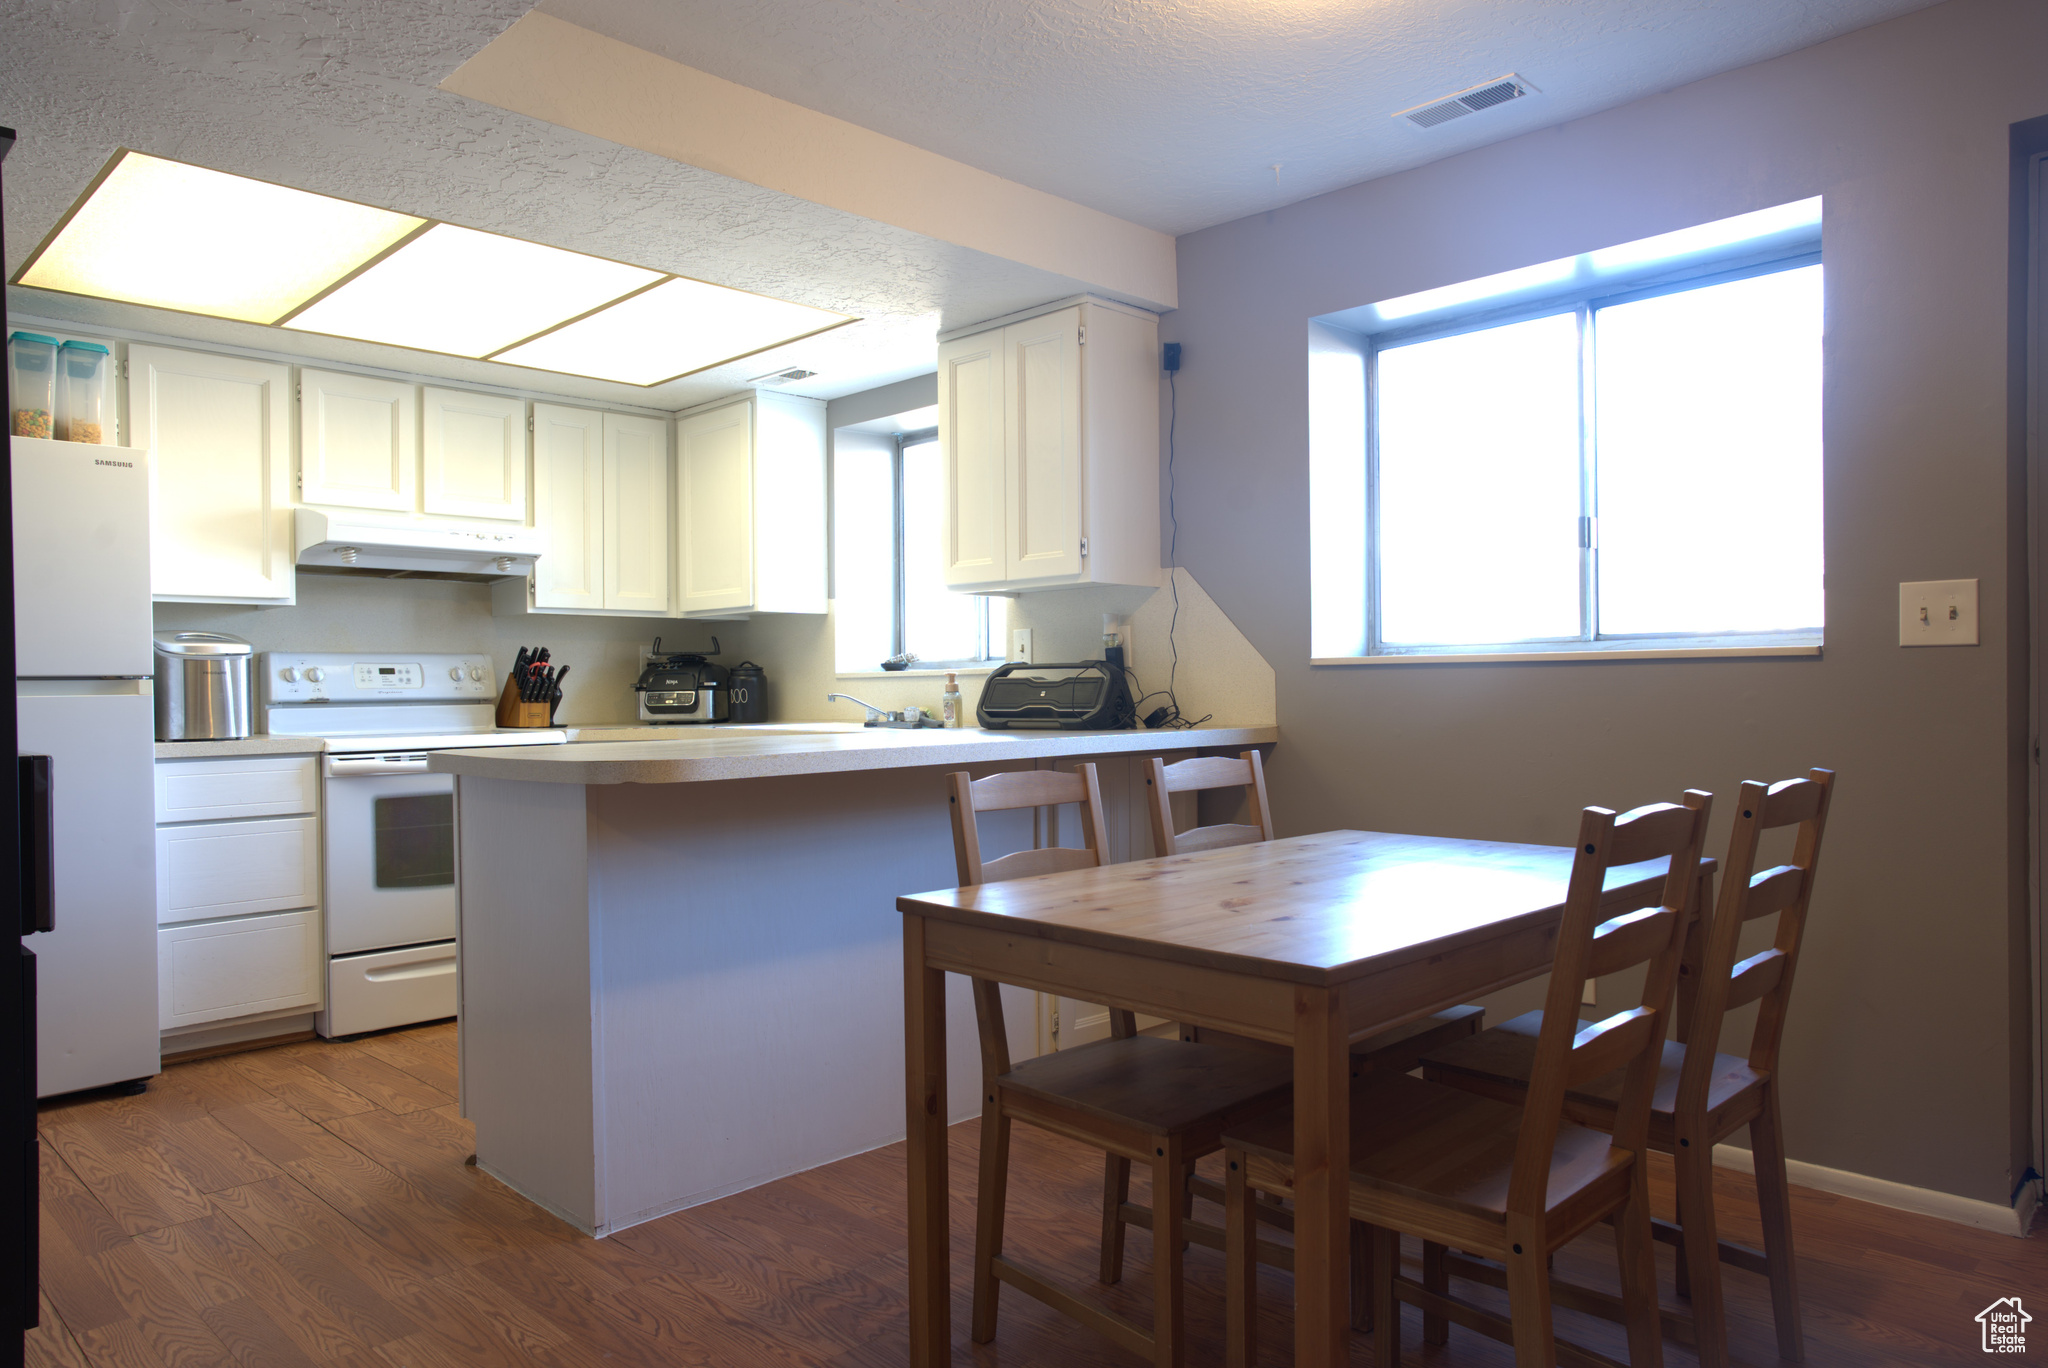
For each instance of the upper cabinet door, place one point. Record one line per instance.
(971, 424)
(715, 509)
(568, 505)
(358, 445)
(474, 455)
(636, 560)
(1042, 450)
(218, 432)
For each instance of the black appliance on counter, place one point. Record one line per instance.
(684, 687)
(1090, 695)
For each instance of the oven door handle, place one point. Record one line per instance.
(353, 766)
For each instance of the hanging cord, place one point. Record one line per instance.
(1172, 721)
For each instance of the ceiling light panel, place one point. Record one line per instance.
(670, 331)
(182, 237)
(467, 293)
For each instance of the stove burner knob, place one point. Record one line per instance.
(288, 675)
(314, 675)
(476, 672)
(455, 673)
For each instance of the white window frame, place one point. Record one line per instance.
(1589, 644)
(900, 612)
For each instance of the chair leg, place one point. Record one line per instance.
(988, 1216)
(1529, 1302)
(1116, 1190)
(1700, 1243)
(1168, 1347)
(1241, 1267)
(1187, 1198)
(1361, 1277)
(1437, 1278)
(1386, 1311)
(1635, 1254)
(1774, 1202)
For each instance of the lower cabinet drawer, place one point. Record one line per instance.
(214, 970)
(228, 869)
(389, 988)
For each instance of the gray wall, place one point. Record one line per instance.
(1904, 989)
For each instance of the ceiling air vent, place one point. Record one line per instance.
(783, 377)
(1500, 91)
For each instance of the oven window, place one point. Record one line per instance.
(415, 841)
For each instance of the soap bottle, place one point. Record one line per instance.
(949, 701)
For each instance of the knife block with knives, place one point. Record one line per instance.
(533, 690)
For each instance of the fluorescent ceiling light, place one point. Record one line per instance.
(467, 293)
(182, 237)
(670, 331)
(1708, 237)
(1470, 291)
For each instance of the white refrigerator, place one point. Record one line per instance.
(82, 643)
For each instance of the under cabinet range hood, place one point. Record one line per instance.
(346, 540)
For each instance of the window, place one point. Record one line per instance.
(1634, 465)
(891, 595)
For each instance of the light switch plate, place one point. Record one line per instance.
(1020, 644)
(1938, 613)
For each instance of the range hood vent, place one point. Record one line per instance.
(1471, 101)
(344, 540)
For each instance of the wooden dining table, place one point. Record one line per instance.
(1310, 942)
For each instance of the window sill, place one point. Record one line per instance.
(1810, 650)
(940, 673)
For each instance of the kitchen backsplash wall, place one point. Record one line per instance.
(352, 612)
(1219, 672)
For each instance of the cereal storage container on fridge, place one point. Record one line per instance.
(82, 410)
(32, 382)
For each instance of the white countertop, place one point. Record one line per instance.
(248, 745)
(704, 754)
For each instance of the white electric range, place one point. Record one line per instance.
(390, 877)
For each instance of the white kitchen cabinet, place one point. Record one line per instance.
(218, 431)
(231, 869)
(216, 970)
(568, 506)
(750, 507)
(472, 455)
(358, 441)
(1049, 434)
(256, 786)
(636, 516)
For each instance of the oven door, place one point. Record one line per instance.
(390, 876)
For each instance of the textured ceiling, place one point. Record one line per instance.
(339, 96)
(1172, 113)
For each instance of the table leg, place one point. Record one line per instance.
(924, 1073)
(1322, 1152)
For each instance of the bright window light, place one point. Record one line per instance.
(467, 293)
(1710, 237)
(173, 236)
(1708, 433)
(670, 331)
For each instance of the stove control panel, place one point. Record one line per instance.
(330, 677)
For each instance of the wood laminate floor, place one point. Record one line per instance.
(310, 1205)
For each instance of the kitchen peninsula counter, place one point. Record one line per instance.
(713, 753)
(680, 961)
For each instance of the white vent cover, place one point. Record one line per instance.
(783, 377)
(1471, 101)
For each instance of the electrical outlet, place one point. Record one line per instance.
(1020, 644)
(1938, 613)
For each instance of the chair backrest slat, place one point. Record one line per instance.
(1204, 773)
(1567, 1055)
(967, 796)
(1745, 895)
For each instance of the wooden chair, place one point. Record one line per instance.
(1157, 1101)
(1702, 1096)
(1397, 1049)
(1511, 1183)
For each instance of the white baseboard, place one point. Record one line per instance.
(1899, 1196)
